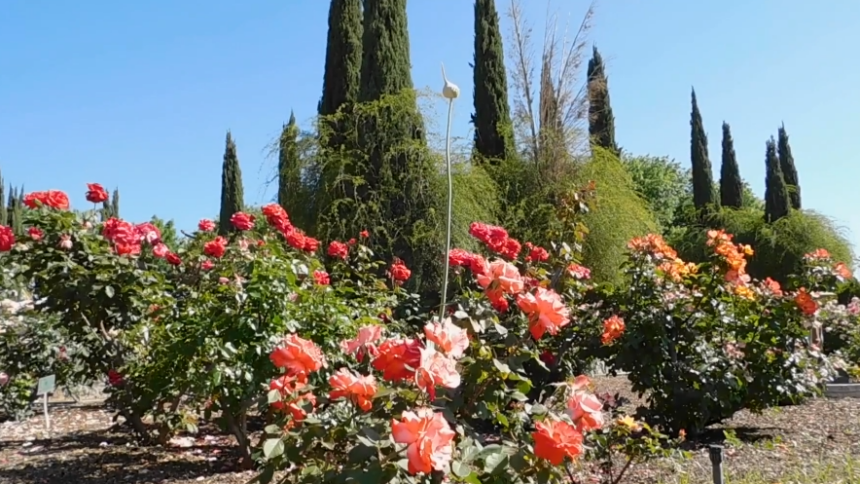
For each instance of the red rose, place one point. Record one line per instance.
(398, 271)
(364, 234)
(338, 250)
(277, 217)
(123, 235)
(173, 259)
(206, 225)
(7, 238)
(321, 278)
(242, 221)
(160, 251)
(96, 193)
(207, 265)
(50, 198)
(148, 232)
(114, 378)
(216, 248)
(35, 233)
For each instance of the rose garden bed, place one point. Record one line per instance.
(814, 443)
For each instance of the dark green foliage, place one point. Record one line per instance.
(385, 64)
(703, 176)
(4, 211)
(16, 210)
(342, 74)
(232, 192)
(776, 201)
(789, 171)
(601, 121)
(618, 215)
(731, 184)
(492, 118)
(289, 168)
(114, 203)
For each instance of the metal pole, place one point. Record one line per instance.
(716, 454)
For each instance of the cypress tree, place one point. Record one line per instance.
(289, 169)
(232, 193)
(703, 176)
(342, 76)
(114, 203)
(731, 184)
(789, 171)
(492, 118)
(601, 121)
(4, 218)
(16, 216)
(106, 210)
(396, 200)
(776, 200)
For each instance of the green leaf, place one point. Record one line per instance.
(273, 429)
(495, 461)
(461, 469)
(473, 479)
(518, 396)
(109, 291)
(273, 448)
(503, 368)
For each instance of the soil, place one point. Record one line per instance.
(776, 446)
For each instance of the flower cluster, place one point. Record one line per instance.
(496, 239)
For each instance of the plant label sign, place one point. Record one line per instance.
(47, 385)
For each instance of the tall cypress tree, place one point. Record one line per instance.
(232, 192)
(776, 200)
(601, 121)
(789, 170)
(289, 171)
(731, 184)
(4, 212)
(492, 118)
(342, 75)
(114, 203)
(703, 176)
(397, 198)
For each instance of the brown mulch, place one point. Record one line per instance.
(83, 448)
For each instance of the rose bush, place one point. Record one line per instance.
(356, 382)
(704, 341)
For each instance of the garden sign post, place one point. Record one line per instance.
(45, 388)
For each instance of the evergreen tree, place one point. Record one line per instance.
(789, 171)
(4, 218)
(776, 200)
(492, 118)
(395, 199)
(342, 75)
(232, 192)
(703, 176)
(601, 121)
(731, 184)
(114, 203)
(16, 210)
(290, 194)
(106, 210)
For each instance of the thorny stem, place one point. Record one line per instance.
(450, 213)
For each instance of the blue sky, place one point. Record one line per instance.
(138, 95)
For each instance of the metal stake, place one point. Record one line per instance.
(716, 454)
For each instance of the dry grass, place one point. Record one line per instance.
(816, 443)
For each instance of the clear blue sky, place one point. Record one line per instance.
(139, 94)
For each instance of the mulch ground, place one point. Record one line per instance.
(817, 440)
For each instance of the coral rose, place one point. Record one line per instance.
(359, 389)
(546, 311)
(504, 274)
(242, 221)
(215, 248)
(298, 356)
(450, 338)
(555, 440)
(363, 342)
(585, 410)
(205, 225)
(338, 250)
(428, 438)
(398, 359)
(436, 369)
(50, 198)
(398, 271)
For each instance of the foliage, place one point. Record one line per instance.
(601, 122)
(731, 183)
(232, 190)
(492, 118)
(704, 341)
(703, 178)
(662, 183)
(789, 170)
(619, 215)
(776, 199)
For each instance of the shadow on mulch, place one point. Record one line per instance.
(84, 459)
(717, 436)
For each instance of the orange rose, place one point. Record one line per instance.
(555, 440)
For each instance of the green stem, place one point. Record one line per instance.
(450, 214)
